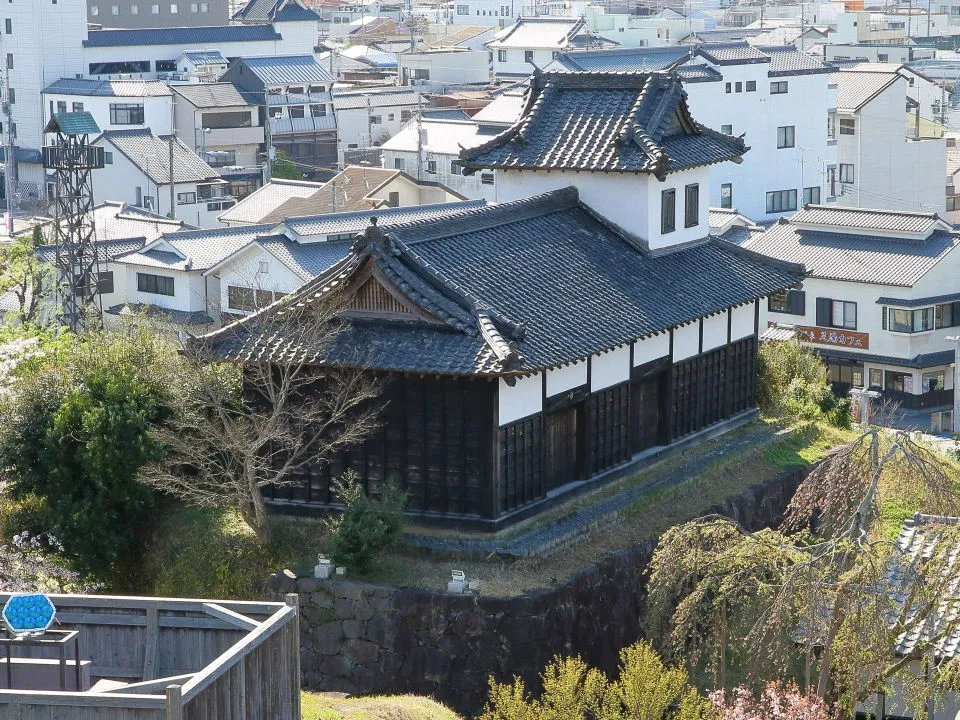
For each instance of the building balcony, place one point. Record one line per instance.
(298, 99)
(285, 126)
(227, 137)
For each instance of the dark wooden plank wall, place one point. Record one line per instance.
(521, 463)
(435, 442)
(608, 428)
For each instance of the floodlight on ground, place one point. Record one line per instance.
(28, 613)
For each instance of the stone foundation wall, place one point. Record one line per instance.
(363, 638)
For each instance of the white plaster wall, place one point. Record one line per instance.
(611, 368)
(686, 341)
(189, 289)
(652, 348)
(244, 271)
(628, 200)
(522, 400)
(741, 323)
(156, 111)
(566, 378)
(715, 331)
(445, 67)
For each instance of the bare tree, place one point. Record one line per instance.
(830, 596)
(259, 406)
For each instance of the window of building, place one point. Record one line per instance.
(155, 284)
(898, 381)
(947, 315)
(778, 87)
(501, 56)
(194, 7)
(226, 119)
(836, 313)
(391, 117)
(751, 85)
(78, 107)
(126, 114)
(169, 66)
(94, 10)
(114, 9)
(738, 87)
(792, 302)
(105, 282)
(8, 26)
(831, 126)
(107, 158)
(13, 129)
(375, 120)
(240, 298)
(421, 74)
(405, 115)
(691, 205)
(204, 7)
(932, 380)
(668, 211)
(726, 195)
(728, 88)
(134, 10)
(846, 173)
(486, 178)
(786, 135)
(811, 195)
(61, 106)
(726, 129)
(296, 111)
(848, 126)
(187, 198)
(174, 9)
(781, 201)
(528, 56)
(9, 61)
(876, 379)
(845, 373)
(399, 164)
(154, 9)
(463, 9)
(902, 320)
(116, 68)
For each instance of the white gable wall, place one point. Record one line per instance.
(245, 271)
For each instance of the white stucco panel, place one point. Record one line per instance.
(651, 348)
(522, 400)
(741, 325)
(610, 368)
(566, 378)
(686, 341)
(715, 331)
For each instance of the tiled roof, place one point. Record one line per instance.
(205, 57)
(264, 200)
(106, 249)
(177, 317)
(503, 110)
(150, 153)
(788, 60)
(860, 257)
(516, 287)
(275, 11)
(733, 53)
(922, 360)
(306, 259)
(855, 89)
(445, 137)
(923, 537)
(211, 95)
(540, 32)
(354, 222)
(623, 59)
(347, 191)
(606, 122)
(899, 221)
(195, 249)
(375, 98)
(73, 123)
(720, 36)
(180, 36)
(283, 69)
(108, 88)
(461, 35)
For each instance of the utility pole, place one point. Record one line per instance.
(419, 134)
(10, 166)
(268, 136)
(955, 339)
(173, 188)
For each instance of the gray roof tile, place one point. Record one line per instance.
(354, 222)
(211, 95)
(855, 89)
(180, 36)
(283, 69)
(733, 53)
(274, 11)
(607, 122)
(788, 60)
(108, 88)
(150, 154)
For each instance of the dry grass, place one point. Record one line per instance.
(400, 707)
(654, 512)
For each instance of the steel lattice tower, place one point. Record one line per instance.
(73, 160)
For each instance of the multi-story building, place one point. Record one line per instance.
(157, 13)
(368, 118)
(114, 104)
(878, 305)
(776, 98)
(535, 41)
(293, 92)
(223, 128)
(880, 164)
(664, 28)
(433, 69)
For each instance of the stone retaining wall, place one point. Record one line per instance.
(363, 638)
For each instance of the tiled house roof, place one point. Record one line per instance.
(513, 288)
(149, 153)
(606, 122)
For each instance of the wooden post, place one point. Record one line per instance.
(293, 600)
(174, 703)
(151, 645)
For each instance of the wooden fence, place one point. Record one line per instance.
(173, 659)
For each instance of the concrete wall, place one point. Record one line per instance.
(139, 13)
(361, 638)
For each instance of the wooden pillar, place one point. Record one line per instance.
(174, 703)
(293, 600)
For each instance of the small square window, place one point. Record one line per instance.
(134, 10)
(8, 26)
(114, 9)
(174, 9)
(726, 129)
(739, 87)
(94, 10)
(154, 9)
(108, 158)
(751, 85)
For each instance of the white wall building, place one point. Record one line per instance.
(138, 172)
(881, 299)
(114, 104)
(667, 27)
(431, 70)
(537, 41)
(878, 165)
(368, 118)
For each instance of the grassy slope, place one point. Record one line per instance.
(209, 553)
(401, 707)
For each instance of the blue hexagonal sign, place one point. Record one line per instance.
(28, 613)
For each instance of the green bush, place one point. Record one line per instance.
(792, 382)
(367, 527)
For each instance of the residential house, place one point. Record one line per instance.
(869, 28)
(879, 303)
(138, 172)
(204, 66)
(629, 30)
(369, 117)
(223, 128)
(429, 149)
(776, 98)
(431, 70)
(887, 53)
(878, 164)
(353, 189)
(272, 11)
(952, 215)
(163, 14)
(471, 37)
(532, 42)
(336, 15)
(495, 13)
(540, 346)
(296, 107)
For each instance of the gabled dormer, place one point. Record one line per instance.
(627, 141)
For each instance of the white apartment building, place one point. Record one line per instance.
(138, 172)
(497, 13)
(537, 41)
(878, 163)
(776, 98)
(368, 118)
(431, 70)
(880, 301)
(114, 104)
(667, 27)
